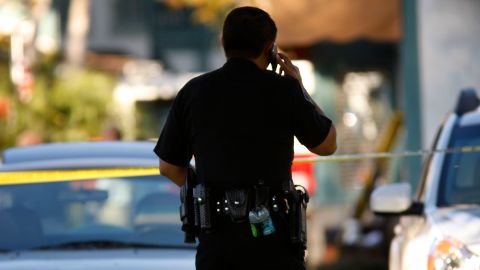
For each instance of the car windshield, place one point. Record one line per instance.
(460, 180)
(132, 211)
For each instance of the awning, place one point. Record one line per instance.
(305, 22)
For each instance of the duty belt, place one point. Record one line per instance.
(235, 203)
(200, 205)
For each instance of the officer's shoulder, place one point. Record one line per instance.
(198, 81)
(281, 81)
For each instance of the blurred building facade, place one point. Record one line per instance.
(449, 38)
(370, 59)
(149, 30)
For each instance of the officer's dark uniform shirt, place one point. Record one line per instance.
(239, 122)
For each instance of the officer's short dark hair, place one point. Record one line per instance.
(246, 31)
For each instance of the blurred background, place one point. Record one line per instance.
(386, 71)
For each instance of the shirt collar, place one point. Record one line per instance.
(238, 63)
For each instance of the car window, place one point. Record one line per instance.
(134, 209)
(460, 178)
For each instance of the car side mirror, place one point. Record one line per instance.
(394, 199)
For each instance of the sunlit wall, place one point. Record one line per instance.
(449, 40)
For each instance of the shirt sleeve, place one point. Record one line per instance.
(310, 126)
(173, 145)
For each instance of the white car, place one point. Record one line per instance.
(440, 227)
(97, 223)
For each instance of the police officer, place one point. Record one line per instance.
(239, 123)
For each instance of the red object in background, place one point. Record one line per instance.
(4, 108)
(25, 87)
(303, 174)
(84, 184)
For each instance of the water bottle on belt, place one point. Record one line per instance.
(261, 221)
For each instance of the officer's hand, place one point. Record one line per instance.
(287, 67)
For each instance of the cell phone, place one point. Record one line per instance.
(273, 57)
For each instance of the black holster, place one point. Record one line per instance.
(297, 213)
(187, 213)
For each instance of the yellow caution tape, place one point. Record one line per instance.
(33, 177)
(351, 157)
(45, 176)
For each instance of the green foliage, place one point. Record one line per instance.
(67, 104)
(150, 117)
(5, 85)
(79, 104)
(6, 90)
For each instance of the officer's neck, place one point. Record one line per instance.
(261, 61)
